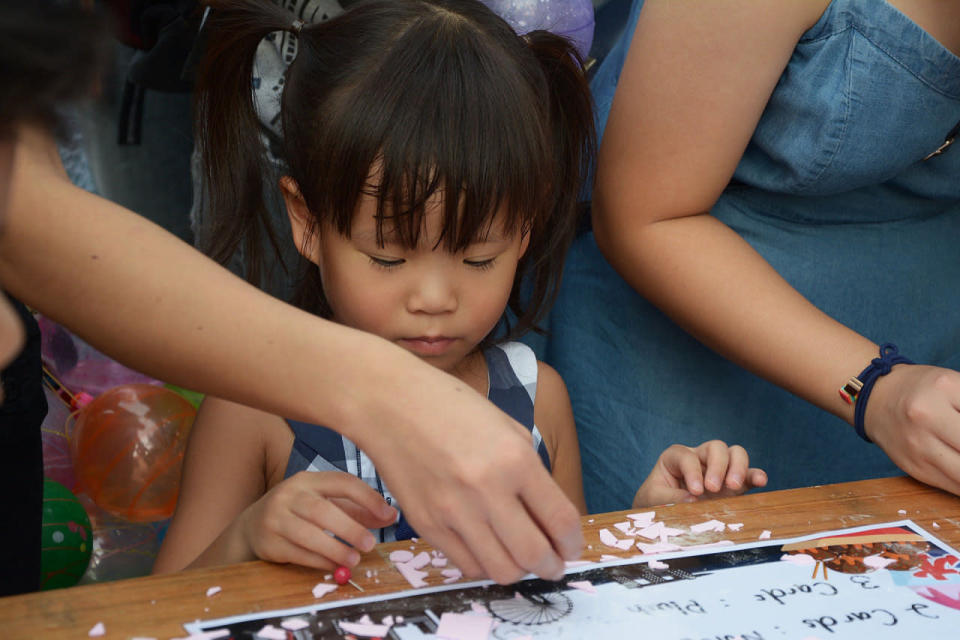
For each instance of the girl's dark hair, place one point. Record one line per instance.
(437, 95)
(50, 53)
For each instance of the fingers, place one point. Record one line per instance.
(715, 456)
(556, 516)
(756, 478)
(683, 464)
(354, 496)
(737, 468)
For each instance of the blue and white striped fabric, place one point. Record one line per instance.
(512, 377)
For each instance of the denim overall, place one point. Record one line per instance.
(833, 190)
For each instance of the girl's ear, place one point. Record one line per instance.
(302, 224)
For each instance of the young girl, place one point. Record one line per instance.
(433, 161)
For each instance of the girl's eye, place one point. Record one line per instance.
(384, 263)
(480, 264)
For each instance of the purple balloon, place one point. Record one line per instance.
(572, 19)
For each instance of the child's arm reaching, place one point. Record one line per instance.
(553, 416)
(685, 474)
(233, 505)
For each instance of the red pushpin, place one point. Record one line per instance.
(342, 576)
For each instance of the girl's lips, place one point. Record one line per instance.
(427, 346)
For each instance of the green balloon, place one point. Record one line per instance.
(193, 397)
(66, 538)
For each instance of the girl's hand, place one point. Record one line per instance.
(293, 522)
(685, 474)
(913, 414)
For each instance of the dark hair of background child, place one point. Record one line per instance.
(437, 95)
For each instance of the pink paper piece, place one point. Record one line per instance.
(583, 585)
(709, 525)
(452, 575)
(476, 607)
(611, 540)
(322, 588)
(400, 555)
(735, 526)
(212, 591)
(460, 626)
(420, 560)
(658, 547)
(387, 620)
(936, 526)
(642, 519)
(364, 629)
(271, 632)
(656, 564)
(412, 575)
(439, 562)
(877, 561)
(799, 559)
(626, 528)
(902, 512)
(295, 624)
(97, 630)
(607, 558)
(764, 535)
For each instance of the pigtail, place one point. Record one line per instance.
(571, 126)
(227, 130)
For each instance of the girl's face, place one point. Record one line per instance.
(433, 303)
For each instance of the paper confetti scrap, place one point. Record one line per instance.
(322, 588)
(625, 528)
(439, 562)
(799, 559)
(936, 526)
(452, 575)
(420, 560)
(646, 518)
(877, 561)
(611, 540)
(607, 557)
(902, 512)
(735, 526)
(271, 632)
(583, 585)
(658, 547)
(656, 564)
(764, 535)
(411, 575)
(212, 591)
(709, 525)
(400, 555)
(464, 626)
(295, 624)
(97, 630)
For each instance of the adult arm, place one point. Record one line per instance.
(151, 301)
(693, 88)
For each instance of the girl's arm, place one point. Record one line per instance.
(144, 297)
(553, 416)
(235, 506)
(693, 88)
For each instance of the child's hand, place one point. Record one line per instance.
(712, 470)
(293, 521)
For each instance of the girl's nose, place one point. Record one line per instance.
(433, 293)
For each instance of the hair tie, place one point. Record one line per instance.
(297, 25)
(857, 389)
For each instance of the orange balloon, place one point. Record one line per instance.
(128, 447)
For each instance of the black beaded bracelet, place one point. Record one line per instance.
(857, 389)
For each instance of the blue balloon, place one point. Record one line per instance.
(572, 19)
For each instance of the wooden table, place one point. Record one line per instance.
(157, 606)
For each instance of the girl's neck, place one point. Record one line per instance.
(472, 370)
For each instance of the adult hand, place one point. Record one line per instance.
(913, 414)
(469, 480)
(296, 520)
(688, 474)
